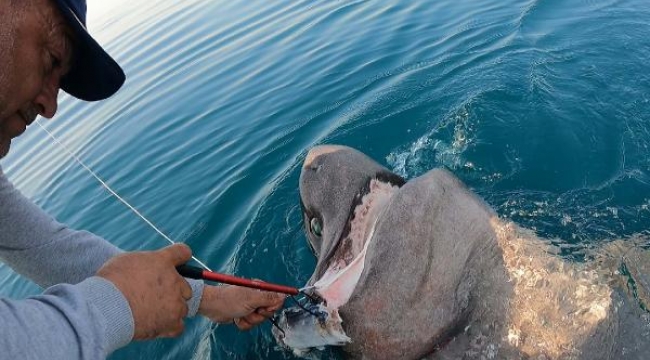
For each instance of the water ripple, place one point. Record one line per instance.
(540, 107)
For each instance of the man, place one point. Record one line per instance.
(98, 298)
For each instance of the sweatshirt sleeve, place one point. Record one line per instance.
(88, 320)
(43, 250)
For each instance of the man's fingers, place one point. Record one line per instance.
(268, 300)
(266, 312)
(254, 318)
(186, 290)
(278, 302)
(178, 254)
(243, 324)
(184, 310)
(176, 331)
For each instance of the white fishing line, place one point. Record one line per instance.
(105, 185)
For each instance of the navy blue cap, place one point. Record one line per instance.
(93, 75)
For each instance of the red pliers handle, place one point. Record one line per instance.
(194, 272)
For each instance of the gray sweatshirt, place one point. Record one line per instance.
(79, 316)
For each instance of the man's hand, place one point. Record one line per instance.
(155, 291)
(246, 307)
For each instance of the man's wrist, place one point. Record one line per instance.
(194, 304)
(211, 305)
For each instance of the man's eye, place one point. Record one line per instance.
(53, 62)
(56, 62)
(316, 227)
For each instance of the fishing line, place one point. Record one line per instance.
(238, 281)
(277, 326)
(105, 185)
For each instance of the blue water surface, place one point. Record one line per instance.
(541, 106)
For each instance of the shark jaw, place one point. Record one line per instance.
(322, 325)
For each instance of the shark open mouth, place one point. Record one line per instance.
(321, 325)
(345, 266)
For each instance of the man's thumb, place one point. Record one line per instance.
(266, 299)
(178, 254)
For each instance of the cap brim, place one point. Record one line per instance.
(93, 75)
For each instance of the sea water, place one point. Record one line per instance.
(542, 107)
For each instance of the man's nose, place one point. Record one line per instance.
(47, 99)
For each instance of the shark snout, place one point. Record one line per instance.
(317, 151)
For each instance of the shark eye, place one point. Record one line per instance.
(316, 227)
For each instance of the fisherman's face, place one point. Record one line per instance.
(35, 53)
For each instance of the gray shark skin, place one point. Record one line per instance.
(445, 278)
